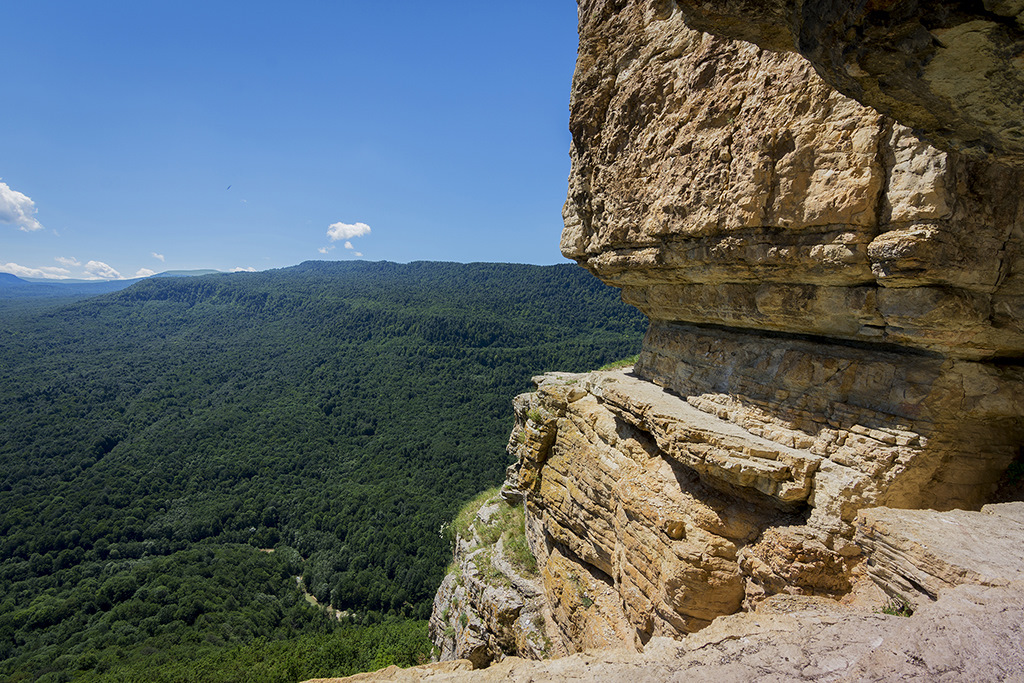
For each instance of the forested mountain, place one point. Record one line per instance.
(153, 439)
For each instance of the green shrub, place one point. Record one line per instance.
(625, 362)
(897, 606)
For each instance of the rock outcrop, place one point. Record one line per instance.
(720, 184)
(489, 605)
(835, 308)
(952, 68)
(836, 337)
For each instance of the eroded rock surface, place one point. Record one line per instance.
(915, 555)
(673, 515)
(949, 67)
(836, 314)
(718, 183)
(972, 633)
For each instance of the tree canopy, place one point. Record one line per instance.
(156, 439)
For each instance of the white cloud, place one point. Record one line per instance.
(343, 231)
(359, 254)
(65, 261)
(17, 209)
(145, 272)
(348, 245)
(324, 250)
(49, 272)
(98, 270)
(250, 269)
(158, 257)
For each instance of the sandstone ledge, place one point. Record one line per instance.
(652, 512)
(915, 555)
(972, 633)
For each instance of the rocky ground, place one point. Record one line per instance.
(966, 625)
(972, 633)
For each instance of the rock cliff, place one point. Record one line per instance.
(950, 67)
(836, 295)
(971, 631)
(491, 602)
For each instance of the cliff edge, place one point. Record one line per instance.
(828, 240)
(836, 325)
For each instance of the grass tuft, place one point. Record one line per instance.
(621, 363)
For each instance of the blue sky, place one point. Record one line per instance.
(159, 135)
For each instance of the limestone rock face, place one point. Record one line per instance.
(952, 68)
(836, 312)
(718, 183)
(918, 554)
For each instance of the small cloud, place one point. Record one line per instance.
(17, 209)
(348, 245)
(49, 272)
(343, 231)
(250, 269)
(158, 257)
(65, 261)
(359, 254)
(145, 272)
(98, 270)
(324, 250)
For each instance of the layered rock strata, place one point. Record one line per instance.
(952, 68)
(916, 555)
(672, 515)
(837, 323)
(488, 606)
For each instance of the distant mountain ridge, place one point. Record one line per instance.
(15, 287)
(11, 280)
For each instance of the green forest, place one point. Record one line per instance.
(173, 455)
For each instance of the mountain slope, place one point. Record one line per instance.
(340, 412)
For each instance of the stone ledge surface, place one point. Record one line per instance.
(916, 555)
(971, 634)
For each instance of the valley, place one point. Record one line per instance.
(155, 438)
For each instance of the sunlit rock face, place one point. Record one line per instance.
(718, 183)
(951, 68)
(836, 324)
(653, 512)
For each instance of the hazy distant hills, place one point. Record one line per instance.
(14, 287)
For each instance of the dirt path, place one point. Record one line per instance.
(311, 599)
